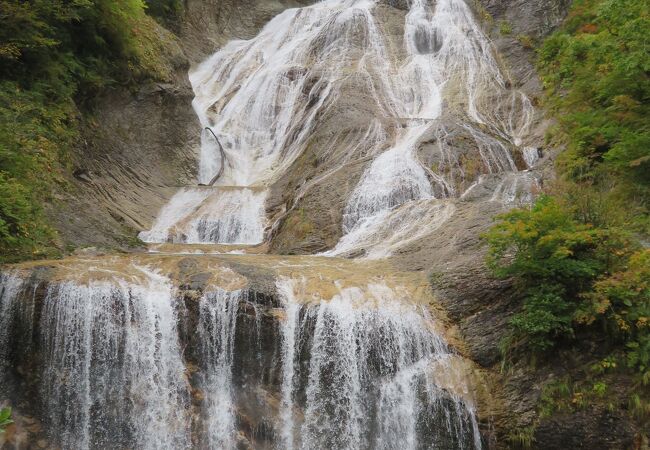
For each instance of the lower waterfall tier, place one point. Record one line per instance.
(222, 352)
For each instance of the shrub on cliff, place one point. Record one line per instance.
(623, 300)
(571, 275)
(596, 71)
(55, 54)
(554, 259)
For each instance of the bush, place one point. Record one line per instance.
(597, 74)
(554, 260)
(623, 300)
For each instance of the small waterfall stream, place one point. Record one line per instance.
(366, 383)
(180, 352)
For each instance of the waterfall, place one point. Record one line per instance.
(449, 60)
(112, 372)
(165, 354)
(366, 384)
(359, 370)
(265, 97)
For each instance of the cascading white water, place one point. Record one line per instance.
(111, 360)
(264, 98)
(210, 215)
(217, 321)
(389, 230)
(366, 383)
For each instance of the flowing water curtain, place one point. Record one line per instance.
(211, 215)
(366, 383)
(113, 374)
(376, 238)
(217, 322)
(16, 323)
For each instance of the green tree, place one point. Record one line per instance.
(597, 74)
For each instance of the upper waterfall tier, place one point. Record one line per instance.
(268, 100)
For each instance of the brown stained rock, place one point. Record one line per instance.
(35, 428)
(590, 429)
(198, 395)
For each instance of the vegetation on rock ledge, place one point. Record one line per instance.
(55, 55)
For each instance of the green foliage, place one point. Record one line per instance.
(554, 259)
(505, 28)
(639, 407)
(523, 438)
(168, 11)
(32, 132)
(53, 52)
(5, 419)
(69, 46)
(565, 395)
(573, 275)
(557, 396)
(624, 300)
(526, 41)
(597, 73)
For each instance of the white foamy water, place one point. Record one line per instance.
(211, 215)
(359, 370)
(367, 381)
(113, 360)
(531, 156)
(511, 190)
(217, 321)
